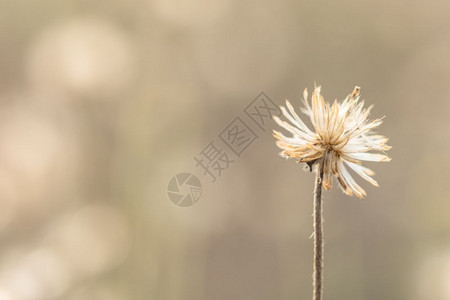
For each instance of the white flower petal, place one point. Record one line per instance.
(301, 124)
(295, 141)
(362, 171)
(360, 193)
(293, 130)
(369, 156)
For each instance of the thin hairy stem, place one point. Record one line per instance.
(318, 233)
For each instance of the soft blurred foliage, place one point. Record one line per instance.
(102, 102)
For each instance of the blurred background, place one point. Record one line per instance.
(103, 102)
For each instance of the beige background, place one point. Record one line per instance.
(102, 102)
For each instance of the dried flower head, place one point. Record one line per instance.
(343, 136)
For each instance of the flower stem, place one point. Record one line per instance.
(318, 234)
